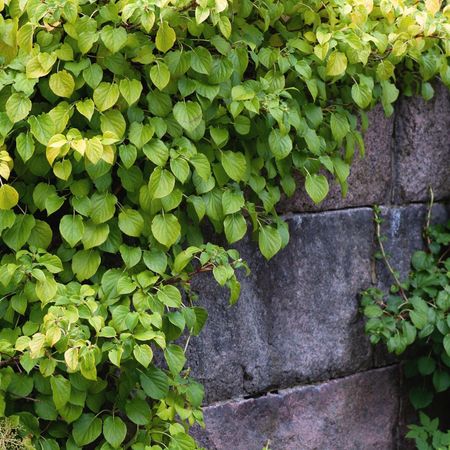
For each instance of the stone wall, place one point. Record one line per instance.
(290, 363)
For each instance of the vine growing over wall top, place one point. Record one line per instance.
(124, 127)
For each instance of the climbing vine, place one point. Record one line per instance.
(415, 313)
(126, 127)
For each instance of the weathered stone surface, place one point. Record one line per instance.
(370, 178)
(298, 317)
(422, 147)
(358, 412)
(316, 329)
(231, 356)
(403, 231)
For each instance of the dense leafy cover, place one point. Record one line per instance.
(124, 126)
(416, 313)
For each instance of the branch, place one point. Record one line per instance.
(9, 362)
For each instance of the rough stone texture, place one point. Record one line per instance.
(370, 179)
(298, 318)
(422, 147)
(316, 328)
(231, 356)
(358, 412)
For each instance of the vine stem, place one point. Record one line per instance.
(426, 230)
(384, 255)
(9, 362)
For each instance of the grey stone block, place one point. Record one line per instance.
(403, 231)
(311, 291)
(298, 318)
(231, 355)
(358, 412)
(370, 180)
(422, 147)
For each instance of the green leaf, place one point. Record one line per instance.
(362, 95)
(9, 197)
(87, 366)
(426, 365)
(86, 429)
(184, 258)
(280, 144)
(40, 65)
(94, 234)
(161, 183)
(130, 90)
(339, 126)
(220, 136)
(336, 65)
(180, 168)
(235, 227)
(85, 108)
(103, 207)
(170, 296)
(17, 107)
(385, 70)
(41, 235)
(46, 289)
(165, 37)
(160, 75)
(269, 241)
(113, 38)
(155, 260)
(316, 187)
(138, 411)
(441, 380)
(232, 201)
(234, 164)
(25, 146)
(143, 354)
(130, 255)
(16, 236)
(140, 134)
(201, 60)
(175, 358)
(157, 152)
(188, 115)
(106, 95)
(166, 229)
(61, 389)
(155, 383)
(85, 264)
(131, 222)
(42, 128)
(182, 441)
(420, 397)
(93, 75)
(63, 169)
(446, 343)
(114, 431)
(201, 165)
(71, 229)
(62, 83)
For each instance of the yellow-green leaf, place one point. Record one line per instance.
(336, 65)
(62, 83)
(165, 37)
(9, 197)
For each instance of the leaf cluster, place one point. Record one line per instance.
(416, 314)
